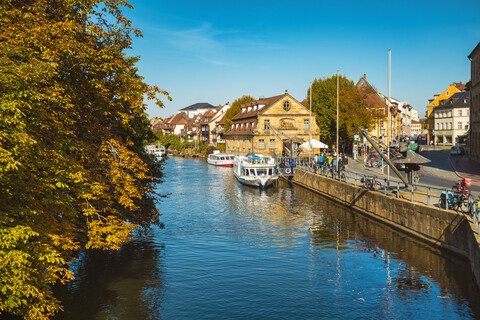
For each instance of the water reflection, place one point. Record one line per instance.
(232, 251)
(118, 285)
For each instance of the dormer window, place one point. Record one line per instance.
(249, 108)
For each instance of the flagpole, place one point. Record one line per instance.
(310, 124)
(337, 124)
(389, 115)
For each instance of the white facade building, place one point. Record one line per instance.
(452, 118)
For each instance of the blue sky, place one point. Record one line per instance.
(217, 51)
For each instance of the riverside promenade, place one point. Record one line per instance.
(442, 172)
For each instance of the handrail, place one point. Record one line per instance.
(380, 152)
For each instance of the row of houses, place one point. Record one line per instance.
(275, 124)
(198, 122)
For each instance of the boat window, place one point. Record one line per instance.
(261, 171)
(222, 158)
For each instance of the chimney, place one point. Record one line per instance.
(365, 76)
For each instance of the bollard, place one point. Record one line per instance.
(446, 199)
(411, 193)
(398, 189)
(385, 187)
(428, 196)
(355, 179)
(475, 213)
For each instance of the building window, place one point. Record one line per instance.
(459, 113)
(381, 123)
(460, 125)
(261, 144)
(266, 125)
(305, 124)
(272, 143)
(286, 106)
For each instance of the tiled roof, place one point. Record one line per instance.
(460, 86)
(245, 121)
(370, 95)
(196, 106)
(178, 117)
(222, 119)
(260, 104)
(242, 127)
(458, 100)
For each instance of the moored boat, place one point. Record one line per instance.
(255, 170)
(157, 150)
(220, 159)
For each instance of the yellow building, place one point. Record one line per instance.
(447, 93)
(269, 126)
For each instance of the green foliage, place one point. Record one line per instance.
(73, 169)
(235, 108)
(352, 111)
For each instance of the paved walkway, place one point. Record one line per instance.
(466, 168)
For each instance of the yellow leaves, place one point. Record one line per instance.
(109, 233)
(71, 108)
(28, 264)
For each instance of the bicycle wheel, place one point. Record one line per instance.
(466, 205)
(441, 203)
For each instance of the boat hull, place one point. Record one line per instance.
(258, 182)
(220, 163)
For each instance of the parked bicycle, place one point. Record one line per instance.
(460, 198)
(371, 183)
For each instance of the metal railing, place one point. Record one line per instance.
(428, 195)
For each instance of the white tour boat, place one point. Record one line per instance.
(157, 150)
(220, 159)
(255, 170)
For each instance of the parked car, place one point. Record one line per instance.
(455, 151)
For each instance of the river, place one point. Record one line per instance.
(229, 251)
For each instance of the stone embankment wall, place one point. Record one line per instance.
(442, 228)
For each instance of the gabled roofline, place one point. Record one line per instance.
(471, 54)
(280, 98)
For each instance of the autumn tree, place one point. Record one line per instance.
(235, 108)
(73, 170)
(352, 110)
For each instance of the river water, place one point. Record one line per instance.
(229, 251)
